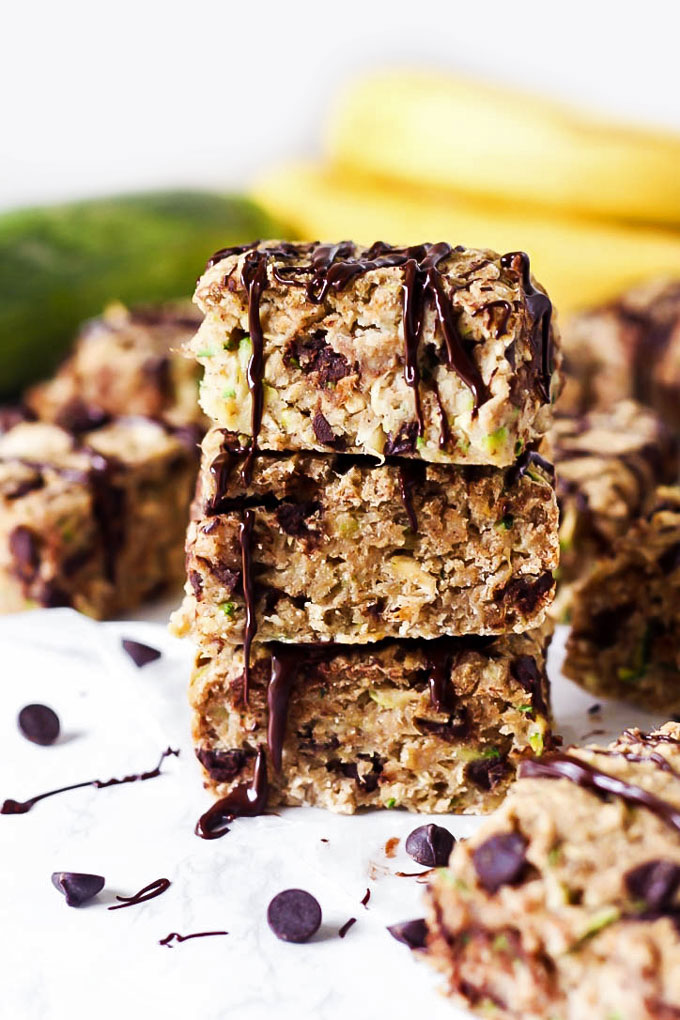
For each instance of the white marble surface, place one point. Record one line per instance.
(58, 962)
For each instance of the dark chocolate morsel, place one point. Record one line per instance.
(294, 915)
(404, 441)
(670, 560)
(500, 860)
(412, 933)
(77, 887)
(487, 773)
(654, 882)
(430, 845)
(140, 654)
(23, 545)
(39, 724)
(322, 430)
(223, 766)
(292, 517)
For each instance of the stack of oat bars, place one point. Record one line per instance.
(374, 536)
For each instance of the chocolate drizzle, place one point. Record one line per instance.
(254, 279)
(245, 801)
(522, 465)
(411, 475)
(566, 766)
(284, 662)
(149, 892)
(245, 535)
(539, 307)
(442, 696)
(176, 937)
(14, 807)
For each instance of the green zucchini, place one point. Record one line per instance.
(61, 264)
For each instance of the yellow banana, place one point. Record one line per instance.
(580, 262)
(435, 130)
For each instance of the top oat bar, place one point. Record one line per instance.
(448, 354)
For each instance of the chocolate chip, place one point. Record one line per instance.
(23, 545)
(140, 654)
(670, 560)
(196, 582)
(77, 416)
(294, 915)
(607, 624)
(412, 933)
(654, 882)
(77, 887)
(39, 724)
(323, 431)
(500, 860)
(526, 593)
(292, 517)
(404, 441)
(314, 354)
(487, 773)
(430, 845)
(223, 766)
(527, 674)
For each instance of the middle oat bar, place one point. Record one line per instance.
(346, 549)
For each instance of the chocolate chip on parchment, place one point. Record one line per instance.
(294, 915)
(77, 887)
(140, 654)
(430, 845)
(412, 933)
(500, 860)
(39, 724)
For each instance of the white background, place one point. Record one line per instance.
(100, 97)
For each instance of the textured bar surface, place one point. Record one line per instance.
(429, 726)
(564, 904)
(125, 362)
(608, 464)
(348, 550)
(627, 348)
(432, 352)
(94, 521)
(625, 638)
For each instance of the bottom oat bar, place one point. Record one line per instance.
(625, 639)
(94, 521)
(430, 726)
(564, 905)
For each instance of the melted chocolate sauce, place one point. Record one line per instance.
(254, 279)
(565, 766)
(149, 892)
(284, 671)
(411, 476)
(539, 307)
(14, 807)
(175, 937)
(245, 801)
(245, 535)
(439, 676)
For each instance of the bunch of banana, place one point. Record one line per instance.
(414, 156)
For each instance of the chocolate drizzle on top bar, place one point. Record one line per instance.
(566, 766)
(539, 307)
